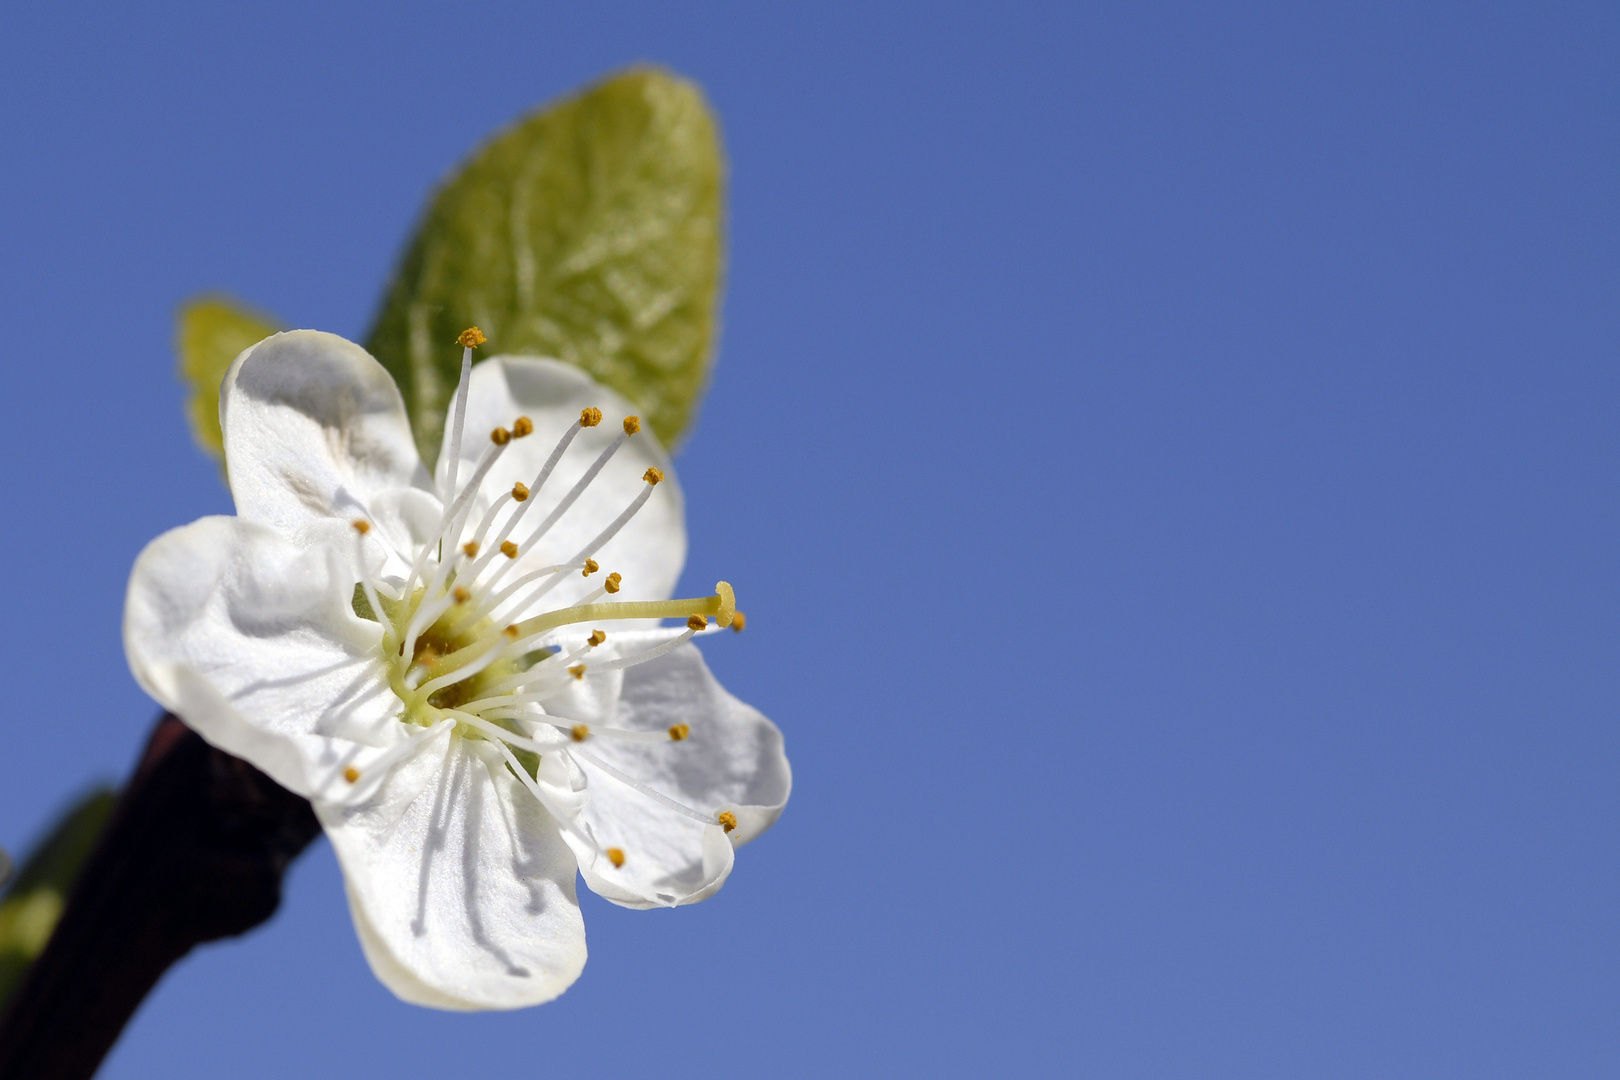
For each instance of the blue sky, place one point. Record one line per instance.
(1168, 454)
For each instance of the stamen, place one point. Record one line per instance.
(738, 621)
(577, 671)
(615, 856)
(632, 424)
(509, 549)
(520, 491)
(580, 732)
(727, 820)
(522, 426)
(678, 732)
(650, 654)
(361, 528)
(539, 481)
(652, 476)
(470, 338)
(697, 622)
(450, 523)
(610, 532)
(613, 581)
(471, 549)
(523, 776)
(461, 594)
(596, 638)
(351, 774)
(590, 417)
(591, 567)
(500, 436)
(632, 782)
(574, 493)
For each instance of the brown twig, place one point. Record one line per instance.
(194, 851)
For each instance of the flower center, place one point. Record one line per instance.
(469, 649)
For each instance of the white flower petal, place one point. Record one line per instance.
(461, 891)
(731, 759)
(251, 639)
(314, 427)
(650, 550)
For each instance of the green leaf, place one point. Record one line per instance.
(30, 908)
(210, 332)
(588, 231)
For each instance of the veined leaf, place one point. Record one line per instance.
(588, 231)
(211, 331)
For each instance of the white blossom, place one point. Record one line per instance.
(464, 673)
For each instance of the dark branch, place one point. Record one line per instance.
(194, 851)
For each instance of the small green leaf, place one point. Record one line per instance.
(30, 908)
(210, 332)
(588, 231)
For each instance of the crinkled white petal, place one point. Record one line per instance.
(251, 639)
(732, 760)
(650, 550)
(462, 893)
(314, 427)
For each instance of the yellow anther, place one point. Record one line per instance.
(580, 732)
(361, 526)
(679, 731)
(612, 583)
(697, 622)
(728, 603)
(500, 436)
(509, 549)
(520, 491)
(513, 631)
(471, 548)
(652, 476)
(522, 426)
(471, 338)
(351, 774)
(632, 424)
(591, 567)
(461, 594)
(596, 638)
(615, 856)
(590, 417)
(577, 671)
(738, 621)
(727, 820)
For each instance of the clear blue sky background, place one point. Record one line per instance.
(1168, 454)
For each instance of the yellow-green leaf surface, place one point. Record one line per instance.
(588, 231)
(211, 331)
(30, 908)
